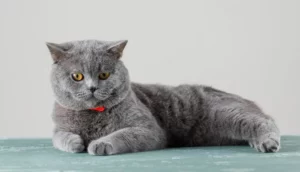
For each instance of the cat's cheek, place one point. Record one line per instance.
(101, 96)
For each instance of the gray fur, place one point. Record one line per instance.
(141, 117)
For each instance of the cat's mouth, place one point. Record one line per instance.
(87, 96)
(91, 100)
(101, 96)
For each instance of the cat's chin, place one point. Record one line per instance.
(95, 102)
(91, 102)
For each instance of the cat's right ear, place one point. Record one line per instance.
(58, 51)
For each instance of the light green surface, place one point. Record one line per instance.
(39, 156)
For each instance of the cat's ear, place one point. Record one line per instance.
(117, 48)
(58, 51)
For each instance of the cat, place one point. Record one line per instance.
(99, 111)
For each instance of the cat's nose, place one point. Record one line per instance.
(93, 89)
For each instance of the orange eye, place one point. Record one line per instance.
(103, 76)
(77, 76)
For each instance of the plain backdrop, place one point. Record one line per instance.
(250, 48)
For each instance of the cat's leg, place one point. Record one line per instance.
(243, 120)
(131, 139)
(68, 142)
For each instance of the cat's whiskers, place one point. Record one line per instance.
(83, 95)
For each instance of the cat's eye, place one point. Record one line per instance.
(104, 76)
(77, 76)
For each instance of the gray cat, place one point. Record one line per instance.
(100, 111)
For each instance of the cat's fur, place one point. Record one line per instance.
(142, 117)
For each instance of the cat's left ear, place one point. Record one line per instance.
(117, 48)
(58, 51)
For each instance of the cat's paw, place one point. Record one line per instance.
(71, 143)
(76, 144)
(101, 147)
(267, 143)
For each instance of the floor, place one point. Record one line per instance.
(38, 155)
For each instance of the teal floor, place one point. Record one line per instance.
(38, 155)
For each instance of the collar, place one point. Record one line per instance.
(98, 109)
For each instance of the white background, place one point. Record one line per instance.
(251, 48)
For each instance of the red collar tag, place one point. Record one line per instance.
(99, 108)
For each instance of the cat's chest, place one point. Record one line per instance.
(91, 125)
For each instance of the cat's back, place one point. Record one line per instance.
(151, 93)
(176, 101)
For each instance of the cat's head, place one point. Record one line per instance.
(88, 73)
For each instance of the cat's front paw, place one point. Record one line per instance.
(76, 144)
(69, 143)
(267, 143)
(101, 147)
